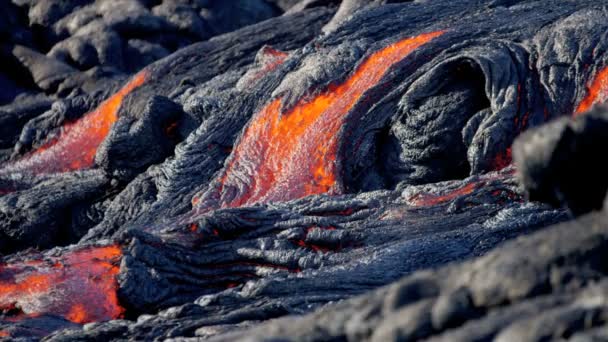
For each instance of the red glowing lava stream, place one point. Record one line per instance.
(77, 143)
(79, 285)
(293, 154)
(597, 92)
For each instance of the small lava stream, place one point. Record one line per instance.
(289, 155)
(597, 92)
(79, 286)
(76, 145)
(285, 156)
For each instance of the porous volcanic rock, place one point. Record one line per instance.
(313, 170)
(547, 286)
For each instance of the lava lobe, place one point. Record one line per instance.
(293, 154)
(597, 92)
(79, 286)
(76, 144)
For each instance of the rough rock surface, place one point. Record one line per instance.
(312, 170)
(558, 163)
(550, 285)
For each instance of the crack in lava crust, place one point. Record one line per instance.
(77, 143)
(79, 286)
(293, 155)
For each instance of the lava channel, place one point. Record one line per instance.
(76, 145)
(293, 154)
(79, 285)
(597, 92)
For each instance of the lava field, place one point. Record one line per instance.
(303, 170)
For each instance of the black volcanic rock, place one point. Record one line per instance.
(16, 114)
(47, 73)
(549, 285)
(558, 163)
(86, 34)
(264, 170)
(152, 119)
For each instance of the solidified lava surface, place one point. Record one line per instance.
(303, 170)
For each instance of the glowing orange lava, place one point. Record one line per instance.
(435, 199)
(79, 286)
(77, 143)
(293, 154)
(272, 59)
(502, 160)
(597, 92)
(490, 183)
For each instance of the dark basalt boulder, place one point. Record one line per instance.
(558, 162)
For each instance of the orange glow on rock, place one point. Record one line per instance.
(491, 183)
(78, 314)
(76, 145)
(79, 286)
(597, 92)
(502, 160)
(433, 199)
(293, 154)
(272, 59)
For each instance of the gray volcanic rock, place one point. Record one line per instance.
(348, 8)
(46, 72)
(107, 39)
(43, 204)
(46, 12)
(316, 175)
(293, 257)
(15, 115)
(549, 285)
(558, 162)
(148, 130)
(87, 34)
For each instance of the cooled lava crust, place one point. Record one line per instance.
(194, 169)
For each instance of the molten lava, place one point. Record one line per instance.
(76, 145)
(492, 184)
(293, 154)
(502, 160)
(427, 200)
(271, 60)
(597, 92)
(79, 286)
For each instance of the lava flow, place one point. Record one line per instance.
(597, 92)
(502, 160)
(294, 154)
(79, 286)
(430, 199)
(491, 183)
(76, 145)
(271, 59)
